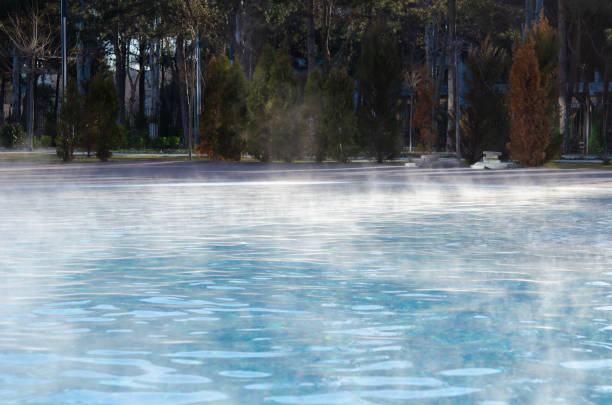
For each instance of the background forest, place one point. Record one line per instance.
(317, 79)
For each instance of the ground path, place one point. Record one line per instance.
(172, 172)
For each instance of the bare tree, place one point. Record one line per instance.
(32, 38)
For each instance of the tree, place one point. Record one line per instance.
(339, 120)
(529, 121)
(547, 51)
(101, 109)
(72, 122)
(424, 111)
(258, 104)
(312, 111)
(380, 79)
(224, 110)
(32, 39)
(485, 117)
(286, 135)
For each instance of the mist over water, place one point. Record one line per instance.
(305, 293)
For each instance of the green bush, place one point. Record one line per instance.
(174, 142)
(596, 141)
(46, 141)
(158, 143)
(102, 108)
(136, 142)
(72, 123)
(13, 136)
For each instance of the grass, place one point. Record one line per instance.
(42, 157)
(578, 165)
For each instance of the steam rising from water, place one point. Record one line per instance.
(305, 293)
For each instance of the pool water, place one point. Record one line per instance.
(305, 293)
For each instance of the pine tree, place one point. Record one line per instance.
(423, 112)
(529, 121)
(312, 111)
(339, 120)
(258, 104)
(101, 111)
(380, 81)
(224, 111)
(71, 123)
(484, 120)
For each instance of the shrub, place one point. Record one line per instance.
(102, 108)
(174, 142)
(12, 136)
(45, 141)
(159, 143)
(136, 142)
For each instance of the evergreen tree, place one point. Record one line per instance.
(339, 120)
(380, 81)
(275, 130)
(485, 118)
(224, 111)
(547, 47)
(424, 112)
(258, 104)
(529, 121)
(286, 137)
(71, 123)
(102, 109)
(312, 110)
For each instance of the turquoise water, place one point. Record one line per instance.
(289, 293)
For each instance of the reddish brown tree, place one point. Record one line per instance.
(424, 110)
(529, 118)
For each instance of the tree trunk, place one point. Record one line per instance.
(563, 85)
(30, 112)
(120, 48)
(198, 92)
(16, 98)
(310, 39)
(606, 108)
(528, 16)
(452, 74)
(539, 9)
(141, 83)
(57, 103)
(79, 65)
(437, 76)
(411, 118)
(154, 61)
(183, 92)
(80, 51)
(327, 13)
(2, 97)
(574, 63)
